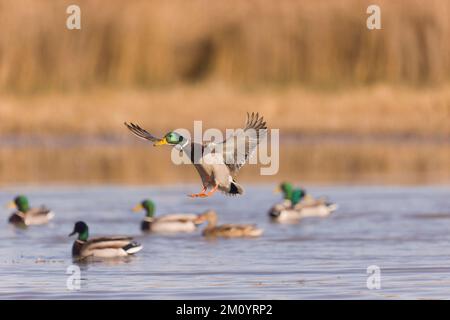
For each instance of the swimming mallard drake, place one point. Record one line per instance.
(308, 207)
(168, 223)
(286, 188)
(102, 247)
(227, 230)
(302, 211)
(298, 204)
(217, 169)
(26, 216)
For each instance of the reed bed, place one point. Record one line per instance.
(247, 42)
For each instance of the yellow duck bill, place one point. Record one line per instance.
(138, 207)
(11, 205)
(161, 142)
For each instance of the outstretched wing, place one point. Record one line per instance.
(141, 133)
(241, 145)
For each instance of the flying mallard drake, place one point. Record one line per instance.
(217, 170)
(168, 223)
(227, 230)
(25, 215)
(102, 247)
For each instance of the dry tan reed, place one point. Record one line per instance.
(251, 42)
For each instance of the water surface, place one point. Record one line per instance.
(403, 230)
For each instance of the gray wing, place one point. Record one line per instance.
(113, 238)
(141, 133)
(42, 211)
(108, 242)
(241, 145)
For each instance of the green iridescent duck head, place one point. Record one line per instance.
(146, 205)
(172, 138)
(82, 229)
(286, 188)
(20, 203)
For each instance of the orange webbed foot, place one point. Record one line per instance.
(198, 195)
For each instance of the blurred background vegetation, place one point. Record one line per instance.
(353, 105)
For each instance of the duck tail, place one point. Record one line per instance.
(235, 188)
(332, 206)
(132, 247)
(256, 232)
(274, 213)
(50, 215)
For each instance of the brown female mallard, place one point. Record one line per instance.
(227, 230)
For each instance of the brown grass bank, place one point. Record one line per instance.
(140, 164)
(379, 110)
